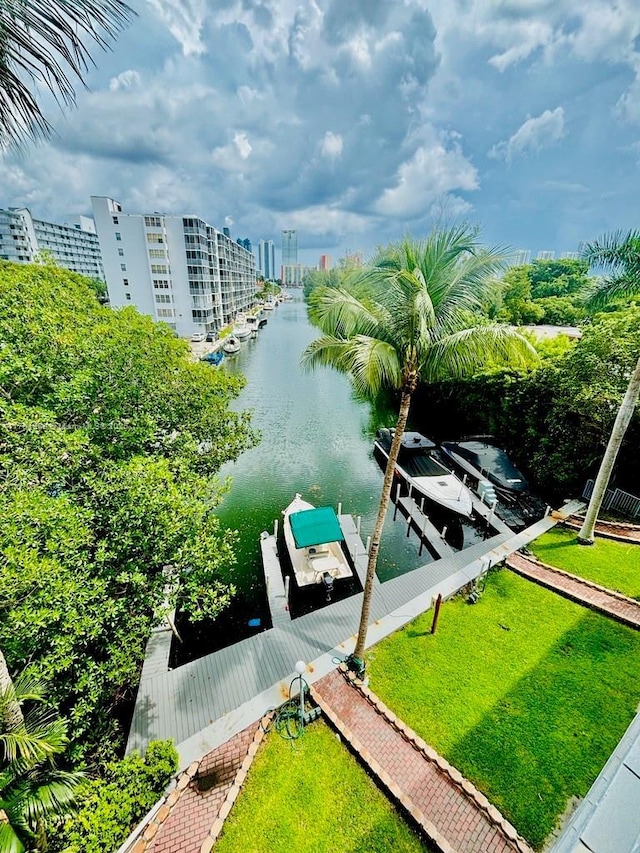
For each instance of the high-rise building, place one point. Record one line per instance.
(267, 259)
(570, 256)
(520, 258)
(178, 269)
(325, 262)
(545, 256)
(292, 275)
(289, 248)
(73, 245)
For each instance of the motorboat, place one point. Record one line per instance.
(231, 344)
(478, 456)
(424, 473)
(214, 357)
(241, 328)
(313, 536)
(269, 303)
(253, 322)
(262, 322)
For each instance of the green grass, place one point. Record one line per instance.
(311, 796)
(525, 692)
(615, 565)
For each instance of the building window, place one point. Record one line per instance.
(152, 221)
(154, 237)
(123, 267)
(163, 298)
(118, 235)
(165, 312)
(157, 253)
(159, 269)
(125, 281)
(127, 296)
(161, 284)
(121, 252)
(115, 220)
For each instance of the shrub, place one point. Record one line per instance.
(111, 806)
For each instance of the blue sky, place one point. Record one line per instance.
(357, 121)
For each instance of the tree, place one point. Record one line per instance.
(34, 795)
(620, 254)
(42, 40)
(415, 314)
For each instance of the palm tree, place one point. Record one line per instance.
(41, 41)
(620, 253)
(416, 314)
(33, 794)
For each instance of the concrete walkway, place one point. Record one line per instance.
(606, 601)
(453, 814)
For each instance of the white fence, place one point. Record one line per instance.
(616, 499)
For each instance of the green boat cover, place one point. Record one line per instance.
(315, 526)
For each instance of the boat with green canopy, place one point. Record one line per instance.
(313, 536)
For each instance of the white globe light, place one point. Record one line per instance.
(301, 667)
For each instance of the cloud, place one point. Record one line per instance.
(331, 146)
(533, 134)
(125, 80)
(432, 172)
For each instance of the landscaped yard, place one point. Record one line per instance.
(525, 692)
(615, 565)
(311, 796)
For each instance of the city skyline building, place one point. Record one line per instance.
(73, 245)
(289, 250)
(267, 259)
(325, 262)
(292, 274)
(177, 269)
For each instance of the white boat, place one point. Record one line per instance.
(241, 329)
(231, 344)
(253, 322)
(424, 474)
(312, 536)
(269, 303)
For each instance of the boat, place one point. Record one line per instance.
(425, 474)
(214, 357)
(313, 536)
(241, 328)
(477, 455)
(253, 323)
(231, 344)
(269, 303)
(262, 322)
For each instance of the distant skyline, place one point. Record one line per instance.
(355, 124)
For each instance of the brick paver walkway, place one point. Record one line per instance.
(452, 812)
(614, 604)
(619, 531)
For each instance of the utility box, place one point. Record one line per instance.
(486, 492)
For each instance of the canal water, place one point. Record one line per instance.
(317, 440)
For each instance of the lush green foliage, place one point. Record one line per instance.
(615, 565)
(109, 437)
(525, 692)
(321, 278)
(110, 807)
(544, 292)
(554, 420)
(35, 796)
(310, 794)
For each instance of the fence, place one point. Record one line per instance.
(616, 499)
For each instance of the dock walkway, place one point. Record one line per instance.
(205, 702)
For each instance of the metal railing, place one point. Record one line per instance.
(615, 499)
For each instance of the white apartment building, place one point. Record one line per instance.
(73, 245)
(177, 269)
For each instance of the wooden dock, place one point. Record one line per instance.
(277, 592)
(205, 702)
(428, 533)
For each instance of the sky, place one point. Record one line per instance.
(356, 122)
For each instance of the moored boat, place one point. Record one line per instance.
(313, 536)
(478, 456)
(214, 357)
(231, 344)
(425, 474)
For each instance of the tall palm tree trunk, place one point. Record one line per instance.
(12, 717)
(374, 547)
(625, 413)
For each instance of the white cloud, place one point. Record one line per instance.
(185, 20)
(533, 134)
(243, 146)
(331, 146)
(432, 172)
(125, 80)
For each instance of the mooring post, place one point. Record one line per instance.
(368, 543)
(436, 613)
(423, 535)
(358, 523)
(422, 505)
(287, 578)
(340, 508)
(275, 528)
(493, 510)
(547, 511)
(408, 521)
(395, 510)
(443, 532)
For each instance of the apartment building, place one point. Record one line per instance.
(267, 259)
(73, 245)
(178, 269)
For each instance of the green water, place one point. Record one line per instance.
(317, 439)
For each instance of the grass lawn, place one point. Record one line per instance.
(525, 692)
(311, 796)
(615, 565)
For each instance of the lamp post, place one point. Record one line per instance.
(301, 668)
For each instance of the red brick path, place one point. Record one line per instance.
(620, 531)
(452, 812)
(614, 604)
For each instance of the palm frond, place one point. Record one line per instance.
(341, 313)
(42, 41)
(617, 250)
(464, 352)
